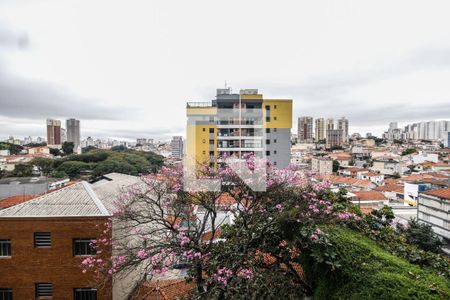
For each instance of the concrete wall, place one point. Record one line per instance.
(8, 190)
(282, 146)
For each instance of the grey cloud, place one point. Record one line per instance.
(12, 39)
(36, 100)
(330, 94)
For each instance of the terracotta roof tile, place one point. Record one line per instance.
(13, 200)
(390, 188)
(441, 193)
(368, 195)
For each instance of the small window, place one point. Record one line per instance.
(44, 289)
(83, 246)
(274, 118)
(274, 151)
(274, 107)
(211, 152)
(267, 142)
(275, 141)
(267, 130)
(274, 130)
(6, 294)
(42, 240)
(85, 294)
(5, 248)
(211, 130)
(274, 163)
(203, 141)
(211, 142)
(204, 129)
(203, 152)
(267, 119)
(268, 153)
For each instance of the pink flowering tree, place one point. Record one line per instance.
(235, 243)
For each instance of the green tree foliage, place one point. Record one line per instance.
(335, 166)
(68, 147)
(423, 236)
(55, 151)
(88, 148)
(74, 168)
(119, 148)
(13, 148)
(22, 170)
(409, 151)
(45, 165)
(106, 161)
(32, 145)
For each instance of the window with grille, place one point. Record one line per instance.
(42, 239)
(85, 294)
(5, 248)
(82, 246)
(6, 294)
(44, 289)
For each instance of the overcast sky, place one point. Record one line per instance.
(127, 68)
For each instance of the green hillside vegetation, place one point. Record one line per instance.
(369, 272)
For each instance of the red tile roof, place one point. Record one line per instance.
(14, 200)
(368, 195)
(390, 188)
(441, 193)
(170, 289)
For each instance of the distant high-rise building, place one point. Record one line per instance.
(393, 125)
(320, 132)
(176, 147)
(141, 141)
(53, 132)
(334, 137)
(73, 132)
(63, 135)
(305, 129)
(27, 140)
(330, 124)
(343, 125)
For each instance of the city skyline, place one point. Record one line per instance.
(53, 65)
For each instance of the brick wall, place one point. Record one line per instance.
(29, 265)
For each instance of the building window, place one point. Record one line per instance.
(275, 140)
(274, 107)
(268, 153)
(274, 163)
(274, 130)
(274, 118)
(203, 141)
(42, 240)
(211, 142)
(83, 246)
(267, 130)
(6, 294)
(44, 289)
(5, 248)
(204, 129)
(85, 294)
(267, 113)
(203, 152)
(267, 142)
(274, 151)
(211, 130)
